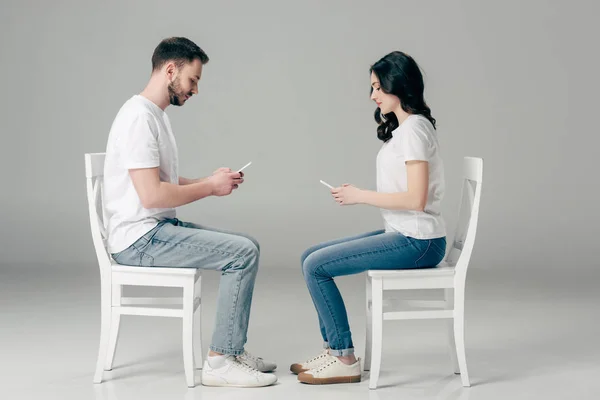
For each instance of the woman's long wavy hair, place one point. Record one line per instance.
(400, 75)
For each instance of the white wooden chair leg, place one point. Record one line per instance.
(459, 334)
(449, 296)
(377, 331)
(197, 328)
(188, 333)
(103, 392)
(105, 321)
(369, 327)
(114, 328)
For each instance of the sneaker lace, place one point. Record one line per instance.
(325, 353)
(249, 356)
(245, 367)
(326, 365)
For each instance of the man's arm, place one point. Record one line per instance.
(187, 181)
(156, 194)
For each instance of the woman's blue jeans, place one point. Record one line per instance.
(374, 250)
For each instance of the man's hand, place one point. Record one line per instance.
(225, 169)
(222, 169)
(346, 195)
(224, 182)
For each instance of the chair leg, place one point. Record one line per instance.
(377, 327)
(105, 321)
(197, 328)
(188, 333)
(449, 295)
(459, 334)
(369, 327)
(114, 328)
(103, 392)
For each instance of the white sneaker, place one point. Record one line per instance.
(314, 362)
(232, 373)
(333, 371)
(256, 362)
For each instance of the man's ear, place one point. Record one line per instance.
(171, 70)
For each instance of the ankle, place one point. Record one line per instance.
(348, 360)
(214, 354)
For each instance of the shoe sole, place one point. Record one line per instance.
(223, 384)
(311, 380)
(297, 369)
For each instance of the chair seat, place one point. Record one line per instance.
(154, 270)
(443, 269)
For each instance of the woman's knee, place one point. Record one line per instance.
(303, 258)
(311, 266)
(307, 253)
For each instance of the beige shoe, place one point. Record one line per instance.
(312, 363)
(333, 371)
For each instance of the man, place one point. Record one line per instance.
(142, 188)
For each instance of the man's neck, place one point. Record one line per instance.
(156, 93)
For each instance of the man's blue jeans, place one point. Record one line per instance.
(173, 243)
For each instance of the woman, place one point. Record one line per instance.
(410, 187)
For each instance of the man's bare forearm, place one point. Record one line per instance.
(187, 181)
(168, 195)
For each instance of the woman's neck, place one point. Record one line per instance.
(401, 115)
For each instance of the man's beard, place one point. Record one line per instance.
(176, 95)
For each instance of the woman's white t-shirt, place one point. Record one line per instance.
(414, 139)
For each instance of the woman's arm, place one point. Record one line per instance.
(413, 199)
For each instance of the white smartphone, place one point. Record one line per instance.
(241, 169)
(326, 184)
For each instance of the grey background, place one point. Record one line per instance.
(287, 87)
(514, 82)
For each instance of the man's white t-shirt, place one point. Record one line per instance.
(140, 137)
(414, 139)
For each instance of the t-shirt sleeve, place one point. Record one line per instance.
(139, 144)
(415, 142)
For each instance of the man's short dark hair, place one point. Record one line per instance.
(178, 49)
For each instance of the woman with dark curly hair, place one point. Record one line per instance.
(410, 187)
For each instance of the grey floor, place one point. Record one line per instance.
(528, 337)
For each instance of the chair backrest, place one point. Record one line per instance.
(464, 236)
(94, 174)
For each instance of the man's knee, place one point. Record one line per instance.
(249, 250)
(255, 242)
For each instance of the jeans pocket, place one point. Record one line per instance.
(439, 248)
(115, 256)
(146, 260)
(424, 248)
(134, 257)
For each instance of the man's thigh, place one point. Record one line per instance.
(209, 228)
(186, 247)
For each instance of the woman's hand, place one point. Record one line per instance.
(347, 195)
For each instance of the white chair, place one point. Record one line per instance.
(113, 276)
(450, 275)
